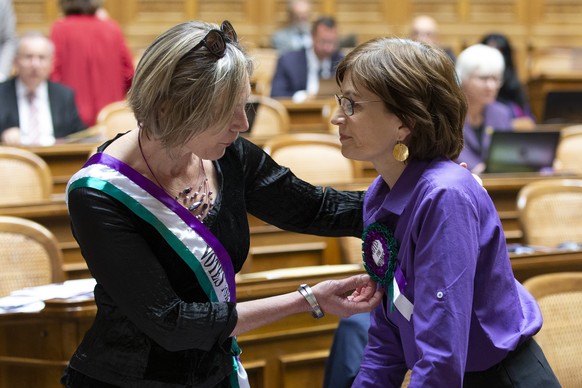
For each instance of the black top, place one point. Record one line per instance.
(154, 326)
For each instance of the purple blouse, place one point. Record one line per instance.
(469, 311)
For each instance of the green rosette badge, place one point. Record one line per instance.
(380, 250)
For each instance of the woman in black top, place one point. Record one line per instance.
(161, 218)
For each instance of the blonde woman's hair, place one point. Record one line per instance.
(178, 93)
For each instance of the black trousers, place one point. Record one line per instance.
(525, 367)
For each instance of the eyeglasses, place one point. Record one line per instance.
(489, 78)
(215, 41)
(347, 104)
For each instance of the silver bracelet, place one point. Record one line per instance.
(305, 290)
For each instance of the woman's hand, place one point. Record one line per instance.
(345, 297)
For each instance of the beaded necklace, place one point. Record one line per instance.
(198, 202)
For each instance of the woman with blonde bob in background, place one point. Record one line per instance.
(452, 311)
(160, 215)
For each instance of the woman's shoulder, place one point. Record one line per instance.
(499, 107)
(243, 148)
(447, 176)
(498, 115)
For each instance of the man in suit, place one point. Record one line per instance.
(298, 73)
(33, 110)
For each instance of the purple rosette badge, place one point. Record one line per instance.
(380, 253)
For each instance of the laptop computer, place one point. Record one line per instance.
(563, 107)
(527, 151)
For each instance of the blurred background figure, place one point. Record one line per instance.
(296, 35)
(512, 91)
(480, 71)
(35, 111)
(91, 57)
(425, 29)
(7, 38)
(298, 73)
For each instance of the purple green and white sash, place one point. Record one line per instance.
(192, 241)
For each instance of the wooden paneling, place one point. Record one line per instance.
(535, 23)
(531, 25)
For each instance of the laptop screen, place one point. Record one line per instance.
(528, 151)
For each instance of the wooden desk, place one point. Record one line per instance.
(503, 190)
(539, 86)
(35, 347)
(308, 116)
(553, 260)
(272, 247)
(64, 160)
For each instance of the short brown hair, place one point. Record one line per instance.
(417, 83)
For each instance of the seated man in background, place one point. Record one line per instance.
(296, 35)
(425, 29)
(298, 73)
(35, 111)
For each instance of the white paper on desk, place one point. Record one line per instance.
(20, 304)
(68, 289)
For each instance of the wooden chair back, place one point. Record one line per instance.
(265, 62)
(271, 117)
(313, 157)
(116, 117)
(29, 255)
(25, 176)
(559, 296)
(550, 211)
(569, 151)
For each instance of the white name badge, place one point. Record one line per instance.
(401, 302)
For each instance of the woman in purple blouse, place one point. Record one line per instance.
(452, 311)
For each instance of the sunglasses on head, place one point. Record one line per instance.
(215, 41)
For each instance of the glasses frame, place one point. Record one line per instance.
(349, 109)
(215, 40)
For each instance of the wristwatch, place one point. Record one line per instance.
(305, 290)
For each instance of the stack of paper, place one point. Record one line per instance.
(32, 298)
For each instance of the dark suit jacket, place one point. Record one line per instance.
(64, 112)
(291, 73)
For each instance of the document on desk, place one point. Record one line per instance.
(32, 299)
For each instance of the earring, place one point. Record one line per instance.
(400, 151)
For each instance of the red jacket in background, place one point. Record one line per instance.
(92, 58)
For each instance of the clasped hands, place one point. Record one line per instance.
(345, 297)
